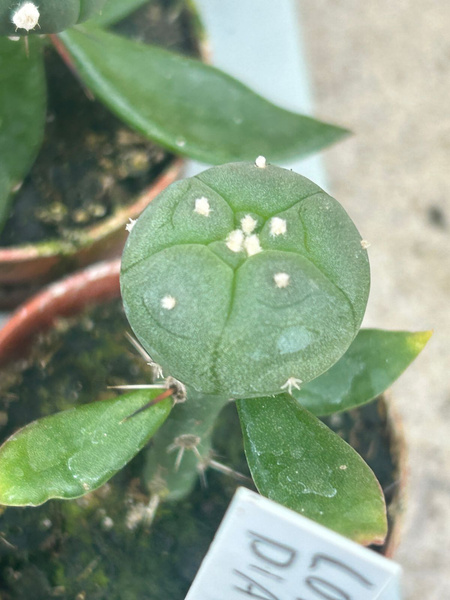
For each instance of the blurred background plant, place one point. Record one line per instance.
(184, 105)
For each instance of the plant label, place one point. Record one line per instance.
(265, 551)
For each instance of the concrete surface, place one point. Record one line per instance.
(383, 70)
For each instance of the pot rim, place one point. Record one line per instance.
(65, 297)
(43, 262)
(115, 223)
(399, 451)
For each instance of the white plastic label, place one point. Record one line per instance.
(265, 551)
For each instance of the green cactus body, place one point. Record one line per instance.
(245, 280)
(45, 16)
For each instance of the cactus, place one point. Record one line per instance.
(47, 16)
(245, 280)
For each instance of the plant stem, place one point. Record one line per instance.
(182, 446)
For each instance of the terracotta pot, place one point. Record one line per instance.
(396, 496)
(99, 283)
(25, 269)
(94, 284)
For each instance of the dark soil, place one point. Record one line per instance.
(86, 549)
(90, 162)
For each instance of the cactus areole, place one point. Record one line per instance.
(245, 280)
(44, 16)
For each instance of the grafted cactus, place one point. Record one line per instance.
(46, 16)
(245, 280)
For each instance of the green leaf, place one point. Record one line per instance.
(234, 330)
(116, 10)
(22, 112)
(74, 452)
(300, 463)
(371, 364)
(187, 106)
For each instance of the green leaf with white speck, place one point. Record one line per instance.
(187, 106)
(73, 452)
(299, 462)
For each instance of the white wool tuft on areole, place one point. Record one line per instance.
(281, 279)
(235, 240)
(168, 302)
(26, 17)
(277, 226)
(252, 245)
(202, 206)
(248, 224)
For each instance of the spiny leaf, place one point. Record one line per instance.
(300, 463)
(187, 106)
(73, 452)
(371, 364)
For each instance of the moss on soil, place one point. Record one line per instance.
(85, 549)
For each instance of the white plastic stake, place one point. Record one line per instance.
(265, 551)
